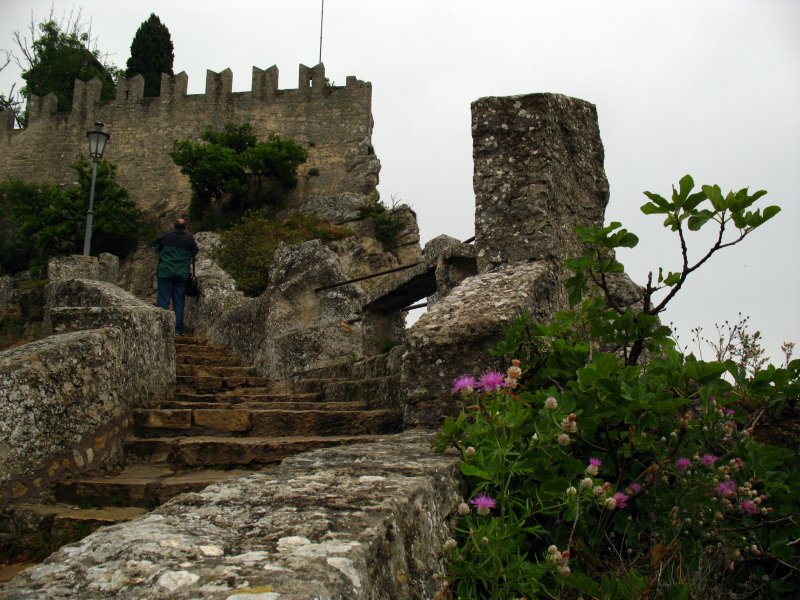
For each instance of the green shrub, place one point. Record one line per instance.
(39, 222)
(388, 222)
(247, 249)
(231, 172)
(594, 474)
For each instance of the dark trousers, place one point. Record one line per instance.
(172, 290)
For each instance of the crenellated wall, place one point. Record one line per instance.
(333, 122)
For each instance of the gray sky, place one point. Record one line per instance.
(709, 88)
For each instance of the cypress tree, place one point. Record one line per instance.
(151, 54)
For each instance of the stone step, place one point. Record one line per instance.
(378, 392)
(240, 421)
(271, 405)
(211, 360)
(203, 383)
(140, 485)
(214, 450)
(208, 371)
(45, 527)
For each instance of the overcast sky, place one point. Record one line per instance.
(709, 88)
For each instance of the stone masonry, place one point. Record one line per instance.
(333, 122)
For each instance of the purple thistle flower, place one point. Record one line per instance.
(730, 412)
(464, 384)
(709, 460)
(748, 507)
(595, 462)
(634, 488)
(492, 380)
(483, 502)
(620, 499)
(727, 488)
(683, 463)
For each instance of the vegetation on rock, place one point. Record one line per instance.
(232, 172)
(594, 473)
(152, 54)
(388, 222)
(247, 249)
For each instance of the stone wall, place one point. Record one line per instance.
(333, 122)
(354, 522)
(65, 400)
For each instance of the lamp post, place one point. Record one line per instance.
(97, 144)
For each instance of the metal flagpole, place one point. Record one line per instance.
(321, 15)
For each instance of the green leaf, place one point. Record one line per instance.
(471, 470)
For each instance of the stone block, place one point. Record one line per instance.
(162, 419)
(222, 420)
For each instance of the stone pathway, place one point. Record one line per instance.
(222, 422)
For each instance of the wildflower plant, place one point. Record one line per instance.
(595, 473)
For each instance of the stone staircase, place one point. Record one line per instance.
(221, 422)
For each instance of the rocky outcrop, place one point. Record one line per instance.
(538, 174)
(362, 521)
(454, 337)
(310, 329)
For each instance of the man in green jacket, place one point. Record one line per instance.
(176, 249)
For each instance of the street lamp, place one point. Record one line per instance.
(97, 144)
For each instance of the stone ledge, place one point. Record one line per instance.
(361, 521)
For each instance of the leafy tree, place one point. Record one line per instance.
(46, 221)
(57, 54)
(11, 100)
(151, 54)
(230, 171)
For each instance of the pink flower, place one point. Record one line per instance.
(621, 499)
(594, 466)
(484, 503)
(748, 507)
(709, 460)
(727, 488)
(683, 463)
(465, 384)
(595, 462)
(634, 488)
(492, 380)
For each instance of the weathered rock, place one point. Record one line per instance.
(60, 409)
(6, 290)
(363, 521)
(538, 173)
(104, 268)
(455, 335)
(309, 329)
(138, 272)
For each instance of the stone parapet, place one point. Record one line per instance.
(58, 399)
(356, 522)
(65, 401)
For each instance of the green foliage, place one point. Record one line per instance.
(388, 222)
(39, 222)
(247, 249)
(152, 54)
(615, 479)
(231, 172)
(57, 58)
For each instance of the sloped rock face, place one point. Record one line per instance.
(309, 329)
(363, 521)
(454, 337)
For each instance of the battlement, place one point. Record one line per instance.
(218, 91)
(333, 122)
